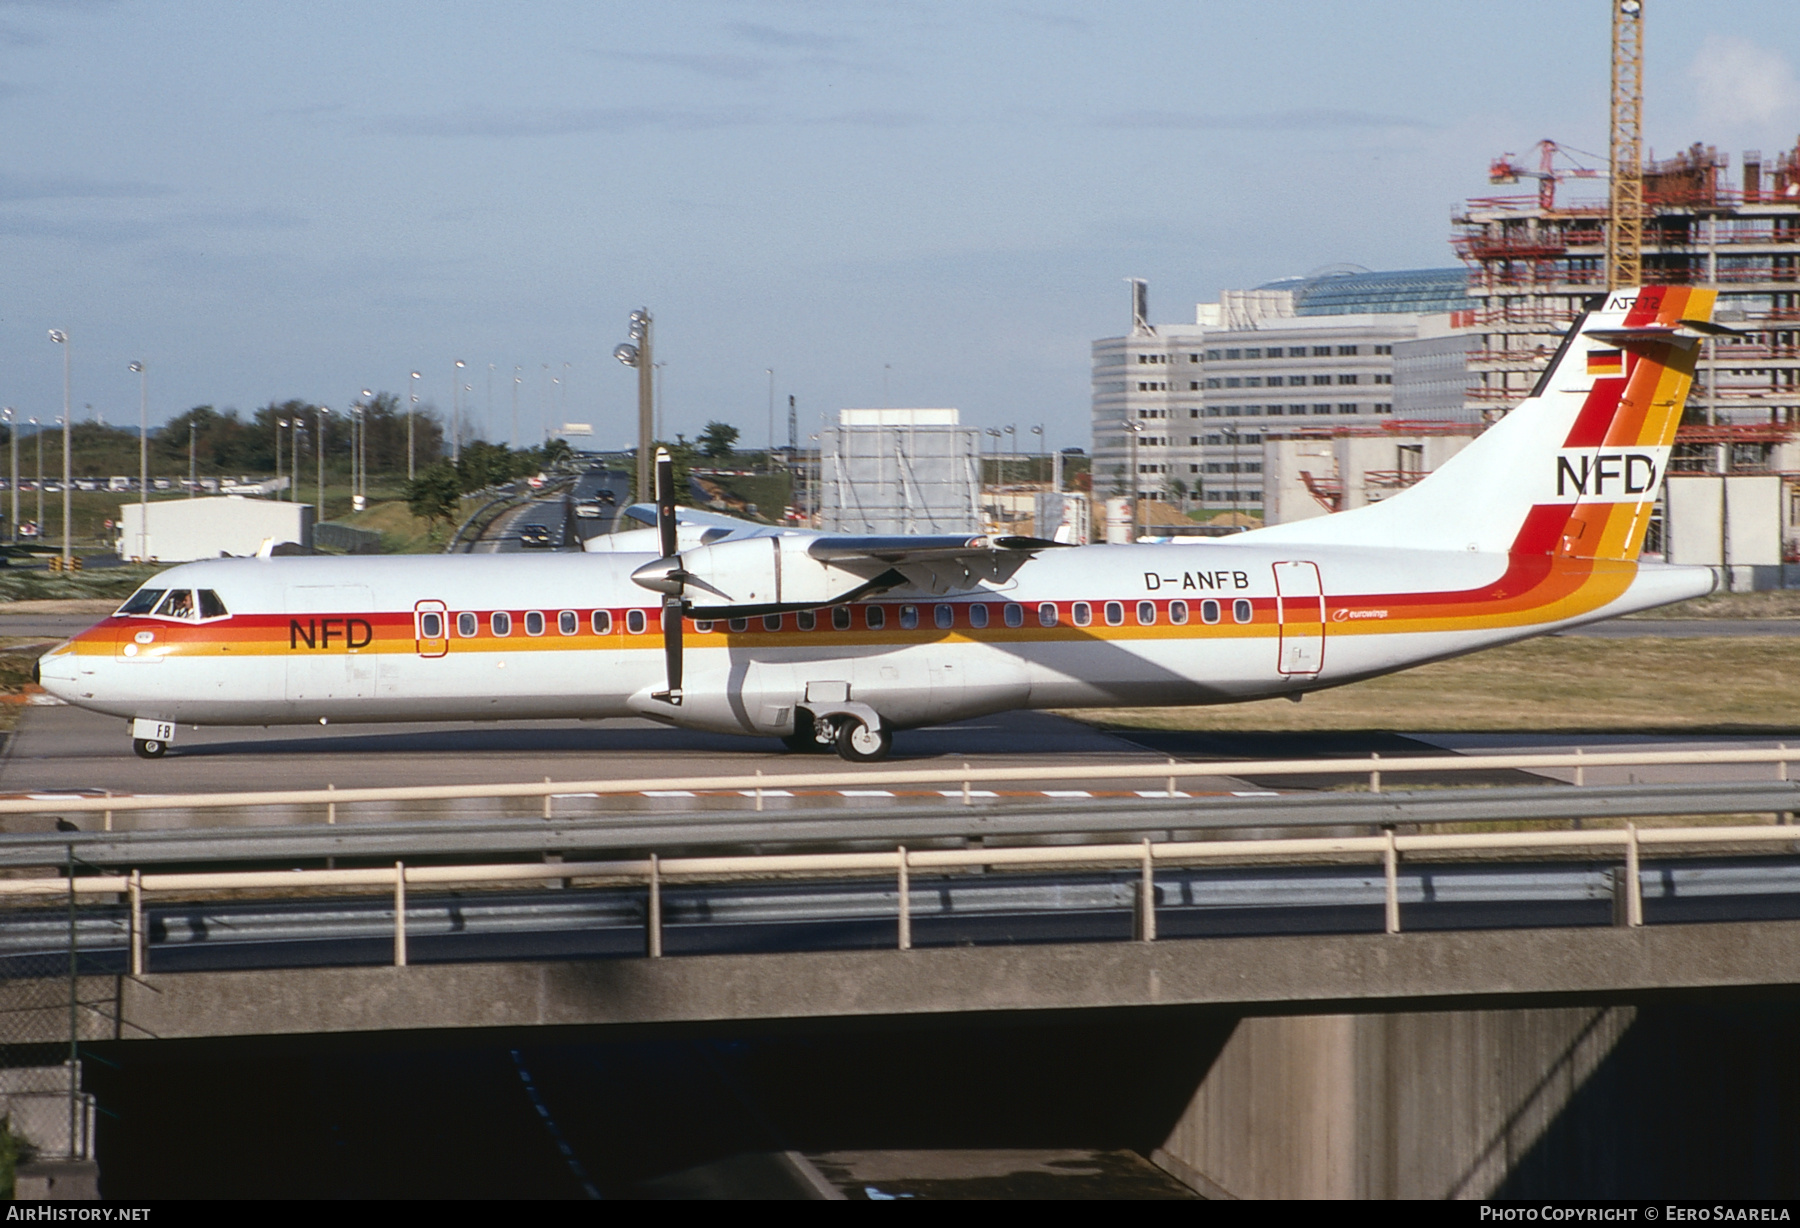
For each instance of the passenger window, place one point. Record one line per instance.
(500, 622)
(1115, 614)
(1047, 614)
(1081, 613)
(944, 616)
(771, 622)
(1146, 613)
(210, 605)
(1240, 610)
(634, 622)
(909, 616)
(739, 624)
(142, 601)
(1209, 611)
(840, 618)
(465, 626)
(178, 604)
(431, 626)
(877, 617)
(1178, 612)
(1015, 615)
(703, 625)
(978, 615)
(602, 622)
(567, 623)
(534, 622)
(806, 620)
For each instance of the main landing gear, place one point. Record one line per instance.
(851, 737)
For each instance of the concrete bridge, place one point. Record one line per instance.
(1382, 1065)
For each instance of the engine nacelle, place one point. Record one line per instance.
(752, 573)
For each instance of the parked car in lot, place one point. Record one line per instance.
(535, 537)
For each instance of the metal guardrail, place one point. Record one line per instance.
(902, 862)
(688, 830)
(756, 785)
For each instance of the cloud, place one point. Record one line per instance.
(1273, 121)
(1738, 82)
(874, 119)
(719, 65)
(550, 121)
(16, 187)
(789, 40)
(115, 231)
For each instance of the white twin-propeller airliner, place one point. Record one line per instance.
(828, 640)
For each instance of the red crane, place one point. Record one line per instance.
(1505, 170)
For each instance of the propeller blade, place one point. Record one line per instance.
(671, 617)
(665, 502)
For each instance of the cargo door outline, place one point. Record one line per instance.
(1300, 615)
(428, 646)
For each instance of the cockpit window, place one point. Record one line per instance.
(210, 605)
(143, 601)
(178, 604)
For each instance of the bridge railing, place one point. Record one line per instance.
(758, 785)
(901, 863)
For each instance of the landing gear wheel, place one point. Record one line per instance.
(149, 748)
(857, 743)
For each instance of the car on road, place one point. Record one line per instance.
(588, 510)
(535, 537)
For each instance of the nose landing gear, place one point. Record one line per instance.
(149, 748)
(857, 743)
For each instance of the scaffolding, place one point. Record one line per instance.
(900, 471)
(1535, 263)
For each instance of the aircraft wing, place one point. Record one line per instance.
(937, 564)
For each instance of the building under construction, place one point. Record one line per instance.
(1534, 262)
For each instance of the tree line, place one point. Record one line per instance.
(226, 442)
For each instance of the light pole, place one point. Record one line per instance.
(517, 380)
(38, 435)
(412, 412)
(362, 450)
(994, 434)
(1133, 428)
(61, 338)
(295, 429)
(12, 434)
(1012, 444)
(1039, 432)
(193, 457)
(1232, 432)
(319, 430)
(456, 413)
(143, 375)
(638, 353)
(490, 395)
(281, 424)
(771, 373)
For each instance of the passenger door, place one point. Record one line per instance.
(1300, 612)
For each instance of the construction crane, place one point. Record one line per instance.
(1625, 221)
(1505, 169)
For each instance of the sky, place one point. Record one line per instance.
(884, 203)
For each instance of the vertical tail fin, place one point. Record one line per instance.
(1580, 460)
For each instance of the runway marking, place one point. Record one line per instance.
(970, 793)
(868, 793)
